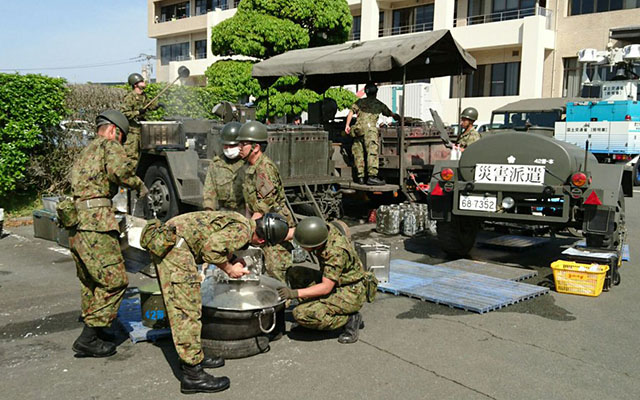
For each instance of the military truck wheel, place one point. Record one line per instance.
(162, 195)
(456, 238)
(611, 241)
(636, 174)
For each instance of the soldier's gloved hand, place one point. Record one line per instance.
(143, 192)
(286, 293)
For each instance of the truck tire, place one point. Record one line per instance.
(456, 238)
(611, 241)
(162, 195)
(636, 174)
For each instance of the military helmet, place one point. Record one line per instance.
(469, 113)
(253, 131)
(230, 133)
(370, 89)
(311, 232)
(135, 78)
(114, 117)
(273, 228)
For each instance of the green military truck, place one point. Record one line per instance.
(527, 178)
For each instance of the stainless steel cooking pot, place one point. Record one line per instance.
(238, 308)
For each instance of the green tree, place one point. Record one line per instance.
(233, 78)
(30, 107)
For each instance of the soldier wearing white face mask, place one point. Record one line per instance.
(223, 186)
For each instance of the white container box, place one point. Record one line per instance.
(375, 257)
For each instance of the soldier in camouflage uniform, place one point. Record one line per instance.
(339, 293)
(469, 134)
(223, 185)
(95, 176)
(365, 133)
(263, 192)
(133, 108)
(176, 247)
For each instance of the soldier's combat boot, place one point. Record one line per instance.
(212, 362)
(195, 380)
(360, 180)
(88, 344)
(374, 181)
(350, 334)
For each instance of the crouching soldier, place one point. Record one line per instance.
(339, 293)
(176, 247)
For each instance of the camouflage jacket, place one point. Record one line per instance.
(368, 110)
(263, 189)
(131, 105)
(339, 260)
(468, 137)
(213, 236)
(223, 185)
(99, 170)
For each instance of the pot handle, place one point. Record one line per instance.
(265, 311)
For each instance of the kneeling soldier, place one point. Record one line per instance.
(337, 297)
(204, 236)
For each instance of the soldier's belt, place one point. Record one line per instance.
(93, 203)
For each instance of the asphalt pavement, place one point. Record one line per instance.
(556, 346)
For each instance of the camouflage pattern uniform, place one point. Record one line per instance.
(96, 174)
(468, 137)
(263, 192)
(366, 132)
(340, 263)
(131, 105)
(202, 236)
(223, 185)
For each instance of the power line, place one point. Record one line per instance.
(83, 66)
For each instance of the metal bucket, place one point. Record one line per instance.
(154, 313)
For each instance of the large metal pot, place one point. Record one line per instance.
(238, 309)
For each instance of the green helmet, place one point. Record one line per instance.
(273, 228)
(253, 131)
(370, 89)
(135, 78)
(311, 232)
(113, 117)
(230, 133)
(470, 113)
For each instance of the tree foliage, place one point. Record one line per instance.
(30, 107)
(257, 35)
(233, 78)
(184, 101)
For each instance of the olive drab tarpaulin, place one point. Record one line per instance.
(424, 55)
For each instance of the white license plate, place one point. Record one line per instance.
(478, 203)
(510, 174)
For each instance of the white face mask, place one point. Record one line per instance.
(232, 152)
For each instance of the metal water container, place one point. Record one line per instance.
(381, 215)
(375, 257)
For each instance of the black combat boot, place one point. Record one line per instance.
(88, 344)
(212, 362)
(360, 180)
(350, 334)
(195, 380)
(375, 181)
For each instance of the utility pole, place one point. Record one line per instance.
(147, 68)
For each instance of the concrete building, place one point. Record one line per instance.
(524, 48)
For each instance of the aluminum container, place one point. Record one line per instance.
(375, 257)
(50, 203)
(278, 149)
(162, 134)
(44, 225)
(309, 154)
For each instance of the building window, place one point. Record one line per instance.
(203, 6)
(579, 7)
(201, 49)
(504, 10)
(175, 11)
(355, 28)
(488, 80)
(571, 77)
(174, 52)
(413, 19)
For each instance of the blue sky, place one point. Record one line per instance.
(72, 33)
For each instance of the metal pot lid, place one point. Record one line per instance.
(238, 295)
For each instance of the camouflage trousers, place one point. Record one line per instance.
(103, 279)
(278, 260)
(328, 312)
(370, 142)
(180, 285)
(132, 145)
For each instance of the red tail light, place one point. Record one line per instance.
(579, 179)
(446, 174)
(627, 117)
(593, 199)
(437, 190)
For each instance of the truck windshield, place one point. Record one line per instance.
(515, 120)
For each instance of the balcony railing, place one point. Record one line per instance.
(506, 16)
(228, 5)
(354, 35)
(402, 30)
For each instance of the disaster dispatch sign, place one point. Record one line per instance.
(510, 174)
